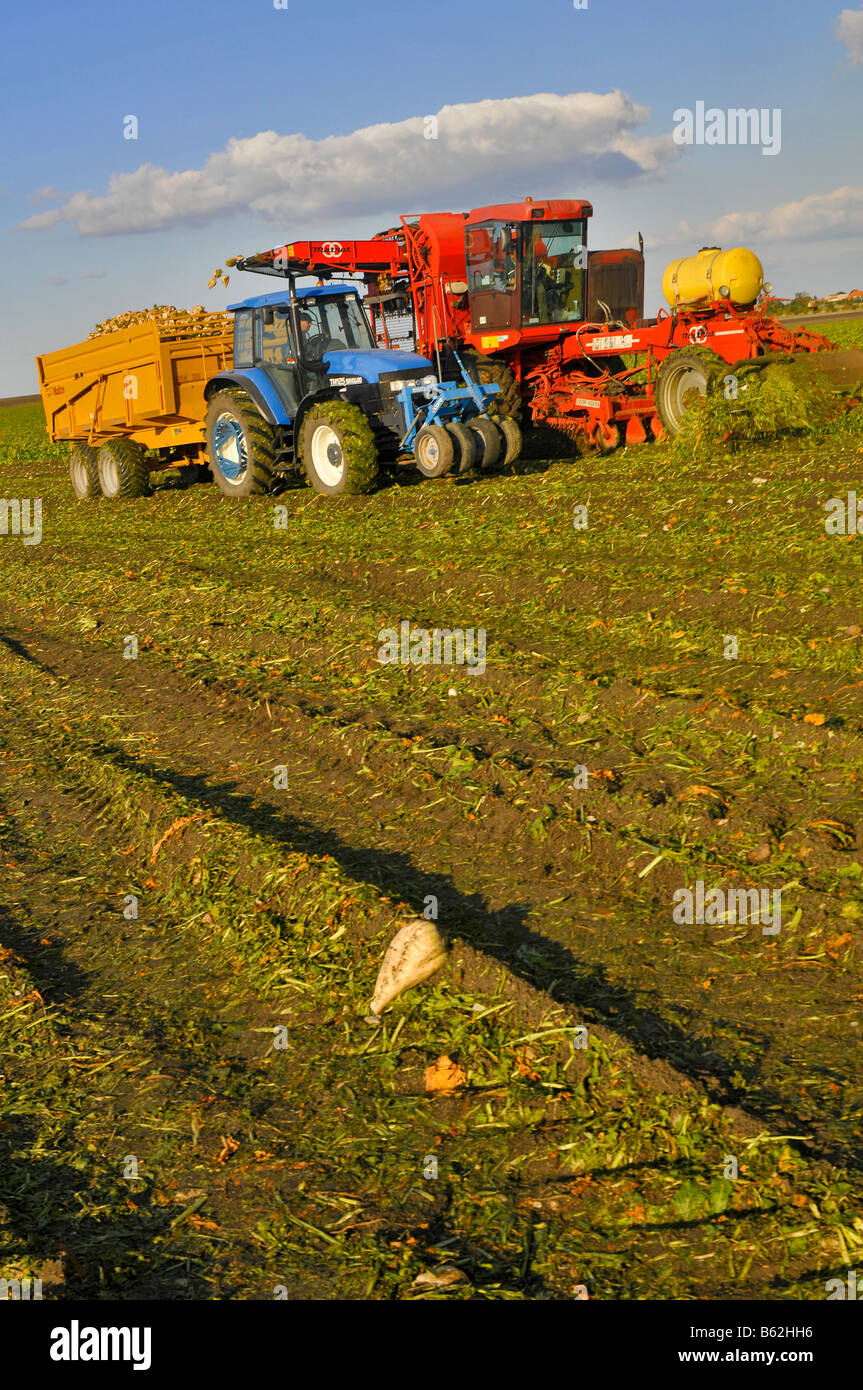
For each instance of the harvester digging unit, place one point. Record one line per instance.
(514, 291)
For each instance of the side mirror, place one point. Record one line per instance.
(269, 316)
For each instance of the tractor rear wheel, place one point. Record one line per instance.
(338, 450)
(434, 451)
(122, 469)
(241, 445)
(685, 374)
(494, 371)
(490, 441)
(83, 472)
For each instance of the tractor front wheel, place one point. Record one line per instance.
(338, 450)
(122, 468)
(685, 374)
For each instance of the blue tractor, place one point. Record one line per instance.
(310, 388)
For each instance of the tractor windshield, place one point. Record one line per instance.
(554, 259)
(330, 322)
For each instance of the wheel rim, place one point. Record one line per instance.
(685, 381)
(109, 476)
(229, 448)
(328, 459)
(429, 451)
(79, 478)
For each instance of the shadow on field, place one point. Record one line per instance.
(503, 934)
(109, 1257)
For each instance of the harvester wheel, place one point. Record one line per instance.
(434, 451)
(467, 445)
(606, 438)
(685, 373)
(241, 445)
(493, 371)
(489, 439)
(83, 472)
(338, 449)
(511, 432)
(122, 468)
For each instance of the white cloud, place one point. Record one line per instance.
(501, 148)
(836, 214)
(849, 30)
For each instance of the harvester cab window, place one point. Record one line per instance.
(492, 274)
(552, 276)
(492, 257)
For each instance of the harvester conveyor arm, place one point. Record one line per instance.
(384, 256)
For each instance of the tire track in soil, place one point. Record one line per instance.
(471, 872)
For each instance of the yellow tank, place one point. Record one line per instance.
(692, 281)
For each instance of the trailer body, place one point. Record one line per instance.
(145, 383)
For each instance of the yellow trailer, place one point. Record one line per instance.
(132, 401)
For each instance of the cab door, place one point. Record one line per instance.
(493, 275)
(276, 353)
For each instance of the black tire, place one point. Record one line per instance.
(467, 445)
(83, 472)
(122, 469)
(241, 445)
(511, 432)
(434, 451)
(494, 371)
(686, 372)
(490, 442)
(338, 450)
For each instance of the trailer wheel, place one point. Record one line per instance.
(338, 450)
(467, 445)
(434, 451)
(123, 470)
(685, 373)
(492, 371)
(83, 473)
(241, 445)
(489, 440)
(511, 432)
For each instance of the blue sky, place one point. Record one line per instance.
(92, 223)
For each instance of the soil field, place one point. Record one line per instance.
(193, 1103)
